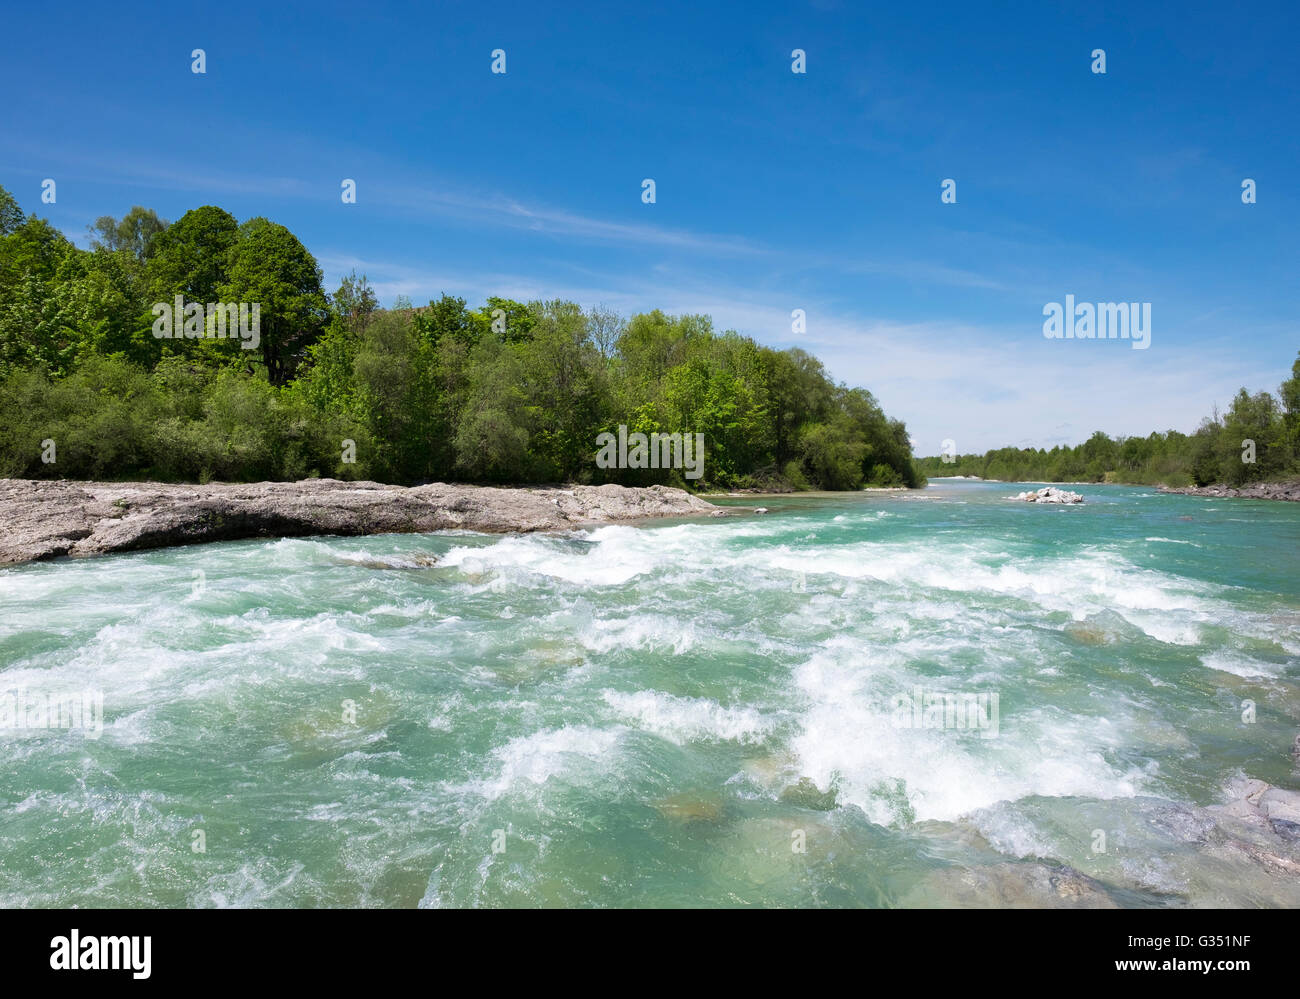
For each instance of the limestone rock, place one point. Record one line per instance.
(45, 519)
(1050, 494)
(1289, 491)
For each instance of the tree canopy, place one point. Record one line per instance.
(505, 392)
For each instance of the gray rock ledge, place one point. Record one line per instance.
(1287, 491)
(45, 519)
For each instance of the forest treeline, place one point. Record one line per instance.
(336, 386)
(1257, 439)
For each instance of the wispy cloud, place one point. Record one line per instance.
(507, 211)
(983, 385)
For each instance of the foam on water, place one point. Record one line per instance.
(541, 756)
(851, 738)
(1229, 661)
(565, 687)
(686, 719)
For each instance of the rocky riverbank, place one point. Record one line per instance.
(46, 519)
(1259, 490)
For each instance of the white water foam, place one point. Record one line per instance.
(688, 719)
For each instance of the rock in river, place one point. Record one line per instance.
(1050, 494)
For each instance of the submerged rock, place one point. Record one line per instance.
(1089, 633)
(1029, 885)
(776, 850)
(1261, 822)
(691, 807)
(46, 519)
(772, 770)
(806, 794)
(1289, 831)
(1103, 628)
(1050, 494)
(421, 561)
(1280, 806)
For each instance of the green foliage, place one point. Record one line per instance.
(509, 392)
(136, 234)
(32, 331)
(448, 318)
(492, 435)
(355, 301)
(834, 455)
(111, 419)
(191, 257)
(514, 319)
(793, 474)
(269, 267)
(11, 216)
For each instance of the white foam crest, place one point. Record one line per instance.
(1239, 664)
(849, 738)
(1080, 584)
(534, 759)
(613, 562)
(648, 631)
(1163, 628)
(688, 719)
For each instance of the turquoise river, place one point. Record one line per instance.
(690, 713)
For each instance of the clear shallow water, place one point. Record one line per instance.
(656, 715)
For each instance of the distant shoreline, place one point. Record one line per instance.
(44, 519)
(1286, 491)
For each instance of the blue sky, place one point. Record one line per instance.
(775, 191)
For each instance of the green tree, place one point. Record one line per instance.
(1252, 418)
(135, 234)
(563, 387)
(11, 216)
(797, 390)
(1289, 394)
(833, 453)
(271, 268)
(492, 436)
(355, 301)
(515, 319)
(448, 317)
(395, 396)
(192, 256)
(33, 331)
(604, 327)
